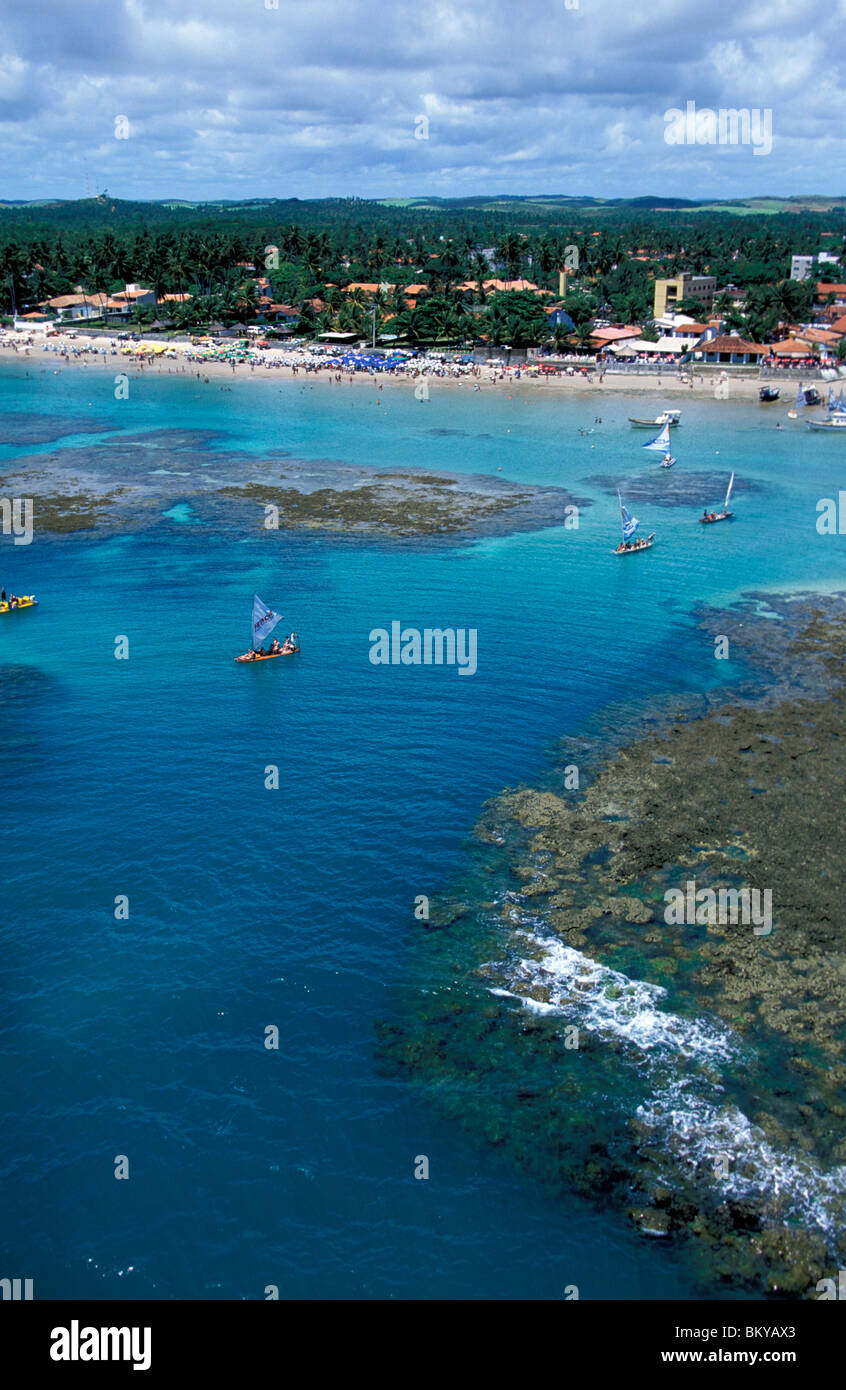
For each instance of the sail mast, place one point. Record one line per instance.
(728, 491)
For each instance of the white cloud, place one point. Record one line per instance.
(321, 98)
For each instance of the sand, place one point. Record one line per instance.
(743, 383)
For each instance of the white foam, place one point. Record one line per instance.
(725, 1150)
(707, 1139)
(608, 1002)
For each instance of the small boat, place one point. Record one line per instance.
(266, 656)
(769, 393)
(667, 417)
(630, 524)
(805, 396)
(834, 422)
(264, 621)
(667, 461)
(725, 514)
(25, 601)
(661, 442)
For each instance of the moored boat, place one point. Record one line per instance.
(667, 417)
(805, 396)
(834, 422)
(769, 393)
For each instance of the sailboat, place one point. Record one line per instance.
(661, 443)
(263, 623)
(836, 418)
(629, 525)
(725, 514)
(805, 397)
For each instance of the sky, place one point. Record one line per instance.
(398, 98)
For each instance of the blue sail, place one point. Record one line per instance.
(630, 523)
(832, 399)
(800, 398)
(841, 404)
(264, 620)
(661, 441)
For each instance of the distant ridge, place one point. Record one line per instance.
(488, 216)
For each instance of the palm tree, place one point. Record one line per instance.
(510, 252)
(481, 272)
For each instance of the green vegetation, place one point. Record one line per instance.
(311, 253)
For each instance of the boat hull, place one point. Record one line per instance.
(636, 549)
(269, 656)
(26, 602)
(720, 516)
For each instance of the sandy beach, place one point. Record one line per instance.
(82, 352)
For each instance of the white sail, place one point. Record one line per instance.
(728, 491)
(661, 441)
(264, 620)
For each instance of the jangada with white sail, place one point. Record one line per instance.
(264, 621)
(630, 524)
(661, 444)
(724, 515)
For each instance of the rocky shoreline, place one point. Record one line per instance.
(705, 1092)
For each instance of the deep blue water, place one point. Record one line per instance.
(251, 907)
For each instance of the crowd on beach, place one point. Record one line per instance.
(305, 359)
(232, 358)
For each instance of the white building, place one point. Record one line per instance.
(801, 267)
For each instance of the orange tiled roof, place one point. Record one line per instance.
(729, 342)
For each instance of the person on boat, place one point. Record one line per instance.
(705, 514)
(2, 595)
(275, 647)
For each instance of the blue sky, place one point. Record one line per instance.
(236, 98)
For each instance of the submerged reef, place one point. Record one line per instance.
(413, 504)
(693, 1072)
(130, 482)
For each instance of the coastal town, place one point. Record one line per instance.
(644, 301)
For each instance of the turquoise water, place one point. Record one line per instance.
(251, 907)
